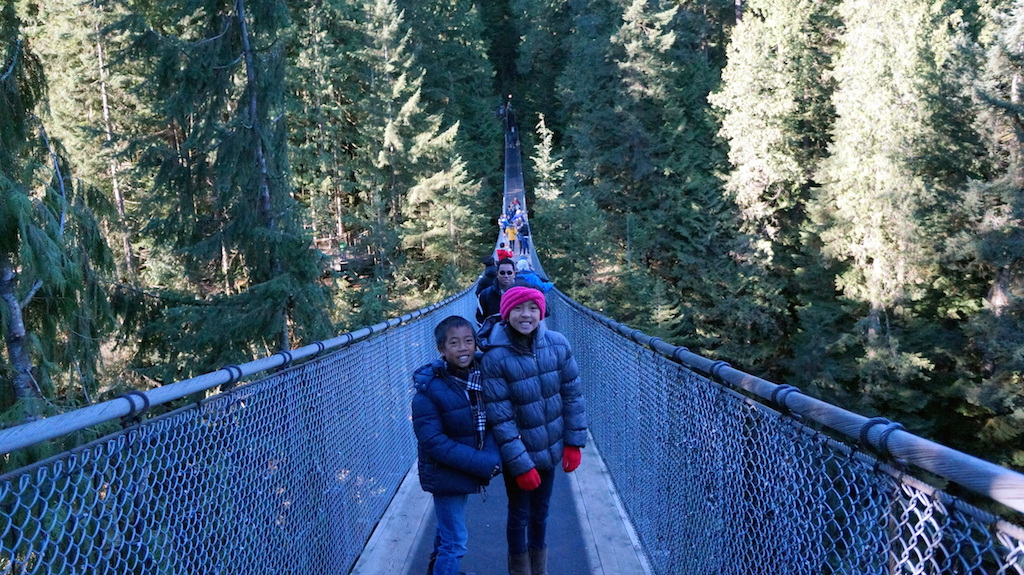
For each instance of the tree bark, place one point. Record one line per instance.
(25, 390)
(126, 244)
(265, 204)
(998, 295)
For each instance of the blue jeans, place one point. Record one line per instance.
(527, 525)
(452, 536)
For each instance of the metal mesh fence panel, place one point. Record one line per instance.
(290, 474)
(286, 474)
(716, 483)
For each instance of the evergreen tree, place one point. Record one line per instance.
(900, 151)
(323, 84)
(448, 43)
(678, 226)
(544, 28)
(586, 89)
(775, 105)
(220, 209)
(52, 256)
(458, 85)
(547, 167)
(502, 39)
(572, 230)
(401, 149)
(88, 102)
(776, 111)
(439, 220)
(986, 253)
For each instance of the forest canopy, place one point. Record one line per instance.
(825, 193)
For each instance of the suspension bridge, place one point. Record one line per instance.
(304, 462)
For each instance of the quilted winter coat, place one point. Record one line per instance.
(449, 461)
(534, 400)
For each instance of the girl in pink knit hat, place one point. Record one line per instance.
(539, 426)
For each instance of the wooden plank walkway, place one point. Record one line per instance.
(592, 519)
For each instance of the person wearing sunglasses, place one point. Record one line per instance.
(489, 301)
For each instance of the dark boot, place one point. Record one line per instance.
(539, 561)
(519, 564)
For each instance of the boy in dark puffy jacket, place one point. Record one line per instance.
(457, 452)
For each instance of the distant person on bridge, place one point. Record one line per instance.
(457, 451)
(503, 253)
(524, 238)
(489, 300)
(511, 232)
(535, 405)
(490, 272)
(526, 276)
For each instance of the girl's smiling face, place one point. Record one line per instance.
(525, 317)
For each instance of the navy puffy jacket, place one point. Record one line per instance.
(449, 462)
(534, 400)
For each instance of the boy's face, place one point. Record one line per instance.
(459, 347)
(525, 317)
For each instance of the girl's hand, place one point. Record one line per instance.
(571, 458)
(529, 480)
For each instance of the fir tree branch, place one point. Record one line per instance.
(231, 64)
(227, 26)
(31, 293)
(60, 177)
(85, 390)
(14, 62)
(158, 296)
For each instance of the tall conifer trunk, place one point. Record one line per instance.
(265, 203)
(17, 350)
(999, 294)
(126, 244)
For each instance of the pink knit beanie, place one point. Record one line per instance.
(518, 295)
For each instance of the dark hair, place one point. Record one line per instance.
(487, 260)
(508, 261)
(450, 322)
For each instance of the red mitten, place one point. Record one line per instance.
(571, 457)
(529, 480)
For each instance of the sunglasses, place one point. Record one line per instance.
(506, 273)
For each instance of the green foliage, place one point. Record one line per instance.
(89, 105)
(448, 40)
(776, 113)
(216, 145)
(53, 257)
(572, 243)
(544, 29)
(985, 254)
(322, 83)
(896, 163)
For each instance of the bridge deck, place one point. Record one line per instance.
(587, 530)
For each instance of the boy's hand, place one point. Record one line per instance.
(529, 480)
(571, 458)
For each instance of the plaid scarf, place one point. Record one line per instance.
(476, 402)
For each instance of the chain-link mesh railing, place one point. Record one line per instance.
(717, 483)
(287, 474)
(290, 473)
